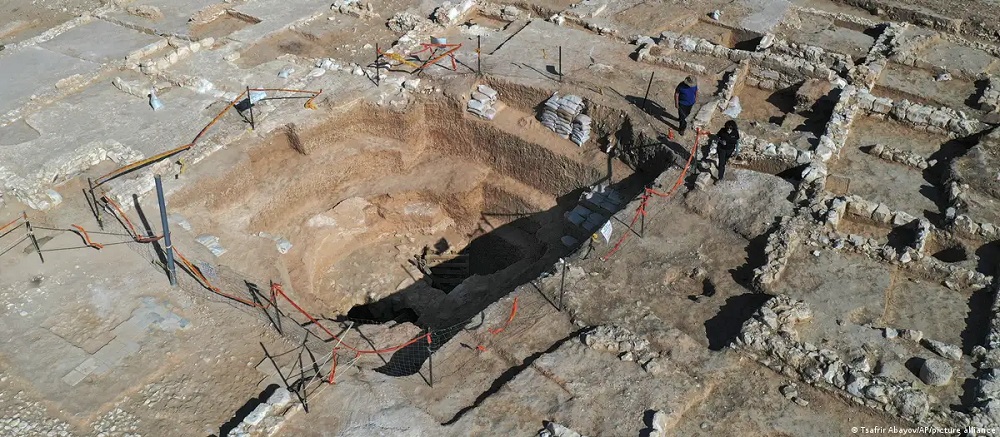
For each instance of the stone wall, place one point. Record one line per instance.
(934, 119)
(781, 244)
(771, 337)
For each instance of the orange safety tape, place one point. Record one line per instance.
(513, 312)
(442, 56)
(219, 116)
(641, 210)
(10, 223)
(201, 277)
(86, 238)
(481, 348)
(141, 163)
(135, 233)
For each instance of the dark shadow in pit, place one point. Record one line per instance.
(970, 390)
(725, 326)
(756, 257)
(914, 364)
(973, 100)
(977, 320)
(784, 101)
(901, 237)
(987, 257)
(953, 254)
(938, 174)
(444, 315)
(647, 419)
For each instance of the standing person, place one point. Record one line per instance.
(684, 97)
(728, 145)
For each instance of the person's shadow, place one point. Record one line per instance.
(654, 109)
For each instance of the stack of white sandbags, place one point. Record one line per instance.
(581, 130)
(564, 116)
(484, 102)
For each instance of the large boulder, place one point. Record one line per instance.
(935, 372)
(747, 202)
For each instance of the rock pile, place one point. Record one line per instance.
(941, 120)
(354, 8)
(484, 102)
(449, 13)
(404, 22)
(553, 429)
(623, 343)
(565, 117)
(990, 100)
(778, 250)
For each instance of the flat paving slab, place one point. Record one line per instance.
(101, 113)
(31, 70)
(176, 15)
(99, 41)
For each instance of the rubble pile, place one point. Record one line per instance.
(990, 100)
(449, 13)
(354, 8)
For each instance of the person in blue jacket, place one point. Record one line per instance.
(684, 98)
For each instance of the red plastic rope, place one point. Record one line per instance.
(641, 210)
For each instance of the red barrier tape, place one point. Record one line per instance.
(135, 233)
(86, 238)
(513, 312)
(641, 210)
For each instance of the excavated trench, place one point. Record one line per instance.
(426, 216)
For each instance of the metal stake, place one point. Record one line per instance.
(560, 64)
(31, 234)
(430, 365)
(250, 103)
(479, 54)
(378, 81)
(645, 99)
(562, 285)
(97, 206)
(277, 312)
(171, 269)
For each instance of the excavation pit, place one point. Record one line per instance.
(413, 214)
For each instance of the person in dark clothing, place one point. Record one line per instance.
(684, 98)
(727, 143)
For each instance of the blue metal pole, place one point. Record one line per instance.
(171, 269)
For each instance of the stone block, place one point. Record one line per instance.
(882, 105)
(881, 214)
